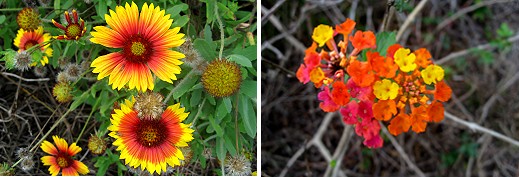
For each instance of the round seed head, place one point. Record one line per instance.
(221, 78)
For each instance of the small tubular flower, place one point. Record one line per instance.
(363, 40)
(404, 60)
(442, 92)
(435, 112)
(419, 119)
(361, 73)
(349, 113)
(322, 34)
(327, 103)
(346, 27)
(399, 124)
(432, 74)
(340, 93)
(384, 109)
(423, 57)
(75, 28)
(385, 89)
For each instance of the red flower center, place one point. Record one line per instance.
(64, 160)
(73, 30)
(151, 132)
(137, 49)
(29, 44)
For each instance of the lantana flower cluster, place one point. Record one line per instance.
(403, 87)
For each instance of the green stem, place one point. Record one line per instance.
(222, 37)
(197, 113)
(84, 127)
(19, 9)
(236, 129)
(183, 81)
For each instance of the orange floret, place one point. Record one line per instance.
(361, 73)
(345, 28)
(443, 92)
(399, 124)
(384, 109)
(363, 40)
(423, 57)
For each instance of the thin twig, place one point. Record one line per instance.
(474, 126)
(315, 141)
(25, 79)
(466, 10)
(410, 19)
(494, 97)
(402, 153)
(468, 51)
(335, 164)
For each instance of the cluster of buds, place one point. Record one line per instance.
(373, 88)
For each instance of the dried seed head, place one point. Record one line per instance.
(188, 154)
(207, 153)
(23, 61)
(40, 71)
(221, 78)
(96, 145)
(61, 77)
(28, 19)
(237, 165)
(73, 71)
(23, 153)
(27, 164)
(149, 105)
(193, 58)
(63, 92)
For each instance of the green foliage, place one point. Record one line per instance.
(226, 126)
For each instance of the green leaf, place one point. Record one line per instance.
(196, 95)
(176, 9)
(221, 111)
(210, 98)
(210, 15)
(208, 34)
(229, 143)
(220, 148)
(185, 85)
(2, 19)
(248, 115)
(504, 31)
(225, 12)
(101, 9)
(206, 49)
(57, 5)
(240, 59)
(216, 126)
(181, 21)
(249, 88)
(384, 40)
(249, 52)
(228, 104)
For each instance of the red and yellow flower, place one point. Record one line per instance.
(403, 87)
(60, 158)
(150, 142)
(145, 39)
(74, 29)
(413, 105)
(26, 39)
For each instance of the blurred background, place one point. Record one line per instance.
(475, 41)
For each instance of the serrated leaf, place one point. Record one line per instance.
(384, 40)
(240, 59)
